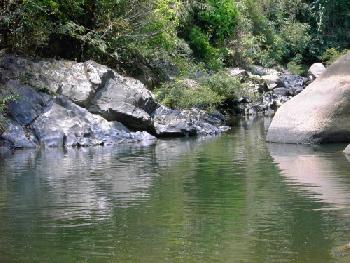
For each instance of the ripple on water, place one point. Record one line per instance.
(231, 198)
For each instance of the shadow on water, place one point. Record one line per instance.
(231, 198)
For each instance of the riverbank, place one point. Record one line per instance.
(65, 103)
(60, 103)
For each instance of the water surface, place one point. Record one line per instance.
(231, 198)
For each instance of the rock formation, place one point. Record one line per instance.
(320, 113)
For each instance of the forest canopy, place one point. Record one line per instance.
(181, 36)
(266, 32)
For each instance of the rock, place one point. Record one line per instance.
(28, 105)
(125, 100)
(261, 71)
(294, 83)
(174, 123)
(77, 81)
(5, 148)
(237, 72)
(17, 136)
(347, 150)
(282, 92)
(271, 86)
(272, 79)
(319, 114)
(67, 124)
(82, 104)
(90, 85)
(316, 70)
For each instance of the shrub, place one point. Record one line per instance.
(3, 105)
(296, 38)
(222, 84)
(331, 55)
(207, 92)
(178, 95)
(203, 49)
(295, 65)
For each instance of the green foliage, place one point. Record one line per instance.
(218, 18)
(96, 28)
(331, 55)
(203, 49)
(4, 101)
(207, 92)
(208, 27)
(137, 36)
(178, 95)
(295, 38)
(222, 84)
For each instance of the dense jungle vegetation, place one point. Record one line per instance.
(165, 42)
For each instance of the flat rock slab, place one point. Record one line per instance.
(320, 113)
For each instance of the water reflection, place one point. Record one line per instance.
(322, 170)
(223, 199)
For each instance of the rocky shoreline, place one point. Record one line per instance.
(271, 87)
(69, 104)
(65, 103)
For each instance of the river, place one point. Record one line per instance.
(231, 198)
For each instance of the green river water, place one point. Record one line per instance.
(231, 198)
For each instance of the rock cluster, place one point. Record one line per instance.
(269, 87)
(65, 103)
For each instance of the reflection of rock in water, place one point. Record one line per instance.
(347, 156)
(88, 182)
(342, 251)
(315, 171)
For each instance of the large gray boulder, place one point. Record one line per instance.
(77, 81)
(125, 100)
(319, 114)
(294, 83)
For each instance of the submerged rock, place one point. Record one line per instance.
(319, 114)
